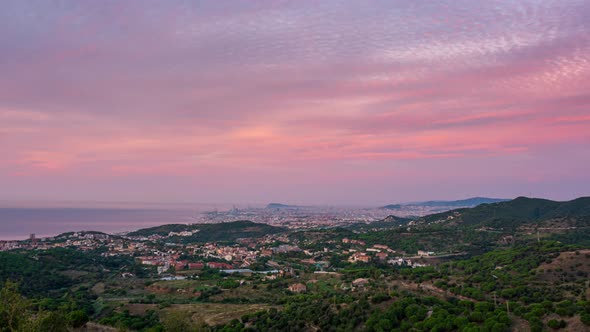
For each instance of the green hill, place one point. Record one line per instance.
(514, 213)
(387, 222)
(469, 202)
(228, 231)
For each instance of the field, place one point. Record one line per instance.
(209, 313)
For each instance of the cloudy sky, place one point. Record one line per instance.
(307, 102)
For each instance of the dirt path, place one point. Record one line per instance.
(430, 288)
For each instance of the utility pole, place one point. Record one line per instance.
(508, 307)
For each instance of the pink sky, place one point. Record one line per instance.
(303, 102)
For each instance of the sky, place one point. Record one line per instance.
(301, 102)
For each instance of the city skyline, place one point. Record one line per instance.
(337, 103)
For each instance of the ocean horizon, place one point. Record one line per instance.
(18, 223)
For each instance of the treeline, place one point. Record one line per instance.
(510, 278)
(405, 313)
(19, 314)
(42, 272)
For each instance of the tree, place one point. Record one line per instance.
(53, 321)
(179, 321)
(16, 315)
(13, 308)
(77, 318)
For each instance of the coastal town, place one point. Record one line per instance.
(245, 255)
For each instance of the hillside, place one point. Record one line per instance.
(514, 213)
(387, 222)
(474, 201)
(229, 231)
(469, 202)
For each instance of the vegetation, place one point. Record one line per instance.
(514, 213)
(222, 232)
(486, 283)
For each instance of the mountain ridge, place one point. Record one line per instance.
(468, 202)
(513, 213)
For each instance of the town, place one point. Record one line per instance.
(160, 252)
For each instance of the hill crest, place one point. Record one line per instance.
(513, 213)
(469, 202)
(226, 231)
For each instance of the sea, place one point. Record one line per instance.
(18, 223)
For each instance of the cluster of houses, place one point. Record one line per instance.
(183, 233)
(215, 256)
(382, 253)
(81, 240)
(400, 261)
(11, 245)
(357, 284)
(347, 240)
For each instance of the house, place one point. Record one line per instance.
(309, 261)
(150, 262)
(298, 288)
(285, 248)
(425, 253)
(195, 266)
(220, 266)
(397, 261)
(347, 240)
(273, 264)
(265, 253)
(359, 257)
(381, 256)
(180, 265)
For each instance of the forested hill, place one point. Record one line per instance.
(228, 231)
(387, 222)
(469, 202)
(516, 212)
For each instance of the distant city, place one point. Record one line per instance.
(18, 223)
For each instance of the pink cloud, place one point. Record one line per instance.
(292, 93)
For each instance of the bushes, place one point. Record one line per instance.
(126, 320)
(77, 318)
(556, 324)
(380, 297)
(565, 308)
(228, 284)
(535, 324)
